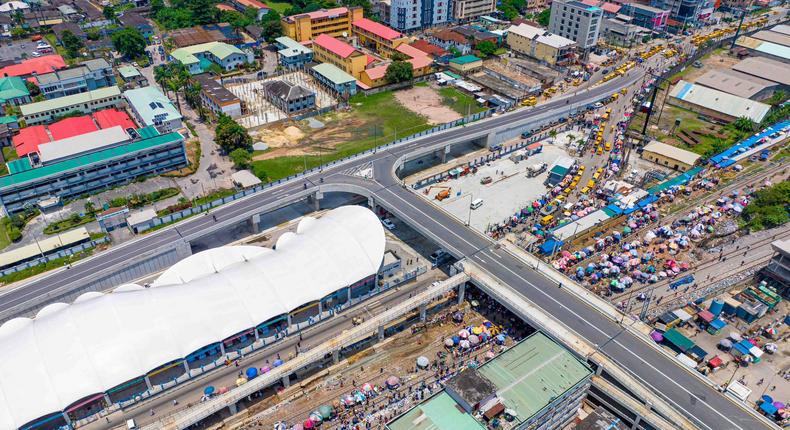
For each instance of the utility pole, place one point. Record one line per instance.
(738, 30)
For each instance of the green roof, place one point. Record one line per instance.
(676, 338)
(466, 59)
(127, 72)
(12, 87)
(452, 75)
(66, 101)
(186, 55)
(532, 373)
(437, 413)
(148, 132)
(8, 119)
(333, 73)
(19, 165)
(75, 163)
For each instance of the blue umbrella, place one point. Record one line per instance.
(252, 372)
(208, 390)
(277, 363)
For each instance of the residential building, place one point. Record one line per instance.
(464, 10)
(135, 20)
(109, 118)
(715, 104)
(609, 9)
(649, 17)
(670, 156)
(577, 21)
(73, 27)
(738, 84)
(132, 77)
(217, 98)
(222, 32)
(438, 53)
(327, 49)
(88, 164)
(46, 111)
(421, 64)
(13, 90)
(334, 79)
(151, 108)
(545, 399)
(259, 8)
(539, 44)
(407, 15)
(683, 12)
(292, 54)
(86, 76)
(288, 97)
(476, 35)
(335, 22)
(13, 6)
(198, 58)
(377, 37)
(466, 64)
(765, 68)
(34, 66)
(450, 40)
(620, 30)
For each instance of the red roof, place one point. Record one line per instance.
(108, 118)
(370, 60)
(326, 13)
(410, 51)
(715, 362)
(379, 30)
(611, 7)
(591, 2)
(29, 138)
(71, 127)
(331, 44)
(255, 4)
(451, 36)
(429, 48)
(223, 6)
(40, 65)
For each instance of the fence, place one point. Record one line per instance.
(59, 254)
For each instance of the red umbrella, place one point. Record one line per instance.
(308, 424)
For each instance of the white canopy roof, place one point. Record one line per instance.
(102, 340)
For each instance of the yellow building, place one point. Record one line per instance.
(378, 37)
(539, 44)
(327, 49)
(466, 64)
(421, 64)
(670, 156)
(335, 22)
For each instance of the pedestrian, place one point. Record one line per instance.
(152, 412)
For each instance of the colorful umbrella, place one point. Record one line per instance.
(423, 361)
(208, 390)
(393, 382)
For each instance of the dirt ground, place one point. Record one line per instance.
(426, 101)
(719, 59)
(510, 72)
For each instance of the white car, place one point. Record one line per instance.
(35, 54)
(388, 224)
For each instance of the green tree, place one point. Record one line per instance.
(203, 11)
(777, 98)
(71, 43)
(156, 6)
(162, 75)
(241, 158)
(455, 52)
(271, 26)
(399, 71)
(129, 42)
(486, 48)
(544, 17)
(365, 4)
(93, 34)
(18, 32)
(32, 88)
(90, 208)
(108, 12)
(229, 135)
(743, 124)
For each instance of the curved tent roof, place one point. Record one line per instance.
(101, 340)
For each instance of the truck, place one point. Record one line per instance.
(764, 154)
(536, 169)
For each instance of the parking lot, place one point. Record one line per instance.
(16, 50)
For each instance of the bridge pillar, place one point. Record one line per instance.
(148, 383)
(372, 203)
(423, 311)
(255, 223)
(286, 381)
(461, 292)
(107, 400)
(316, 200)
(335, 356)
(381, 333)
(491, 139)
(637, 420)
(186, 367)
(233, 409)
(68, 420)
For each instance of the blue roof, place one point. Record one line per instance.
(722, 159)
(718, 324)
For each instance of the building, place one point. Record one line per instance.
(646, 16)
(198, 58)
(288, 97)
(72, 126)
(539, 44)
(334, 79)
(151, 108)
(465, 10)
(46, 111)
(413, 14)
(716, 104)
(765, 68)
(217, 98)
(778, 267)
(601, 419)
(466, 64)
(335, 22)
(377, 37)
(136, 21)
(421, 65)
(259, 8)
(738, 84)
(292, 54)
(87, 76)
(450, 40)
(772, 36)
(670, 156)
(766, 49)
(109, 118)
(34, 66)
(199, 35)
(620, 30)
(13, 90)
(544, 399)
(86, 164)
(327, 49)
(73, 27)
(683, 13)
(13, 6)
(132, 77)
(438, 53)
(577, 21)
(609, 9)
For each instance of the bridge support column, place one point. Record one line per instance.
(148, 383)
(68, 420)
(372, 203)
(320, 309)
(183, 249)
(233, 409)
(381, 333)
(491, 139)
(636, 422)
(286, 381)
(107, 400)
(255, 223)
(461, 292)
(335, 356)
(423, 310)
(186, 368)
(316, 200)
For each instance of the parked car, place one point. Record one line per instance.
(388, 224)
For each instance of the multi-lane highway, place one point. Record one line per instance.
(701, 403)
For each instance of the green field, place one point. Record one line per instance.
(460, 102)
(280, 7)
(375, 119)
(4, 239)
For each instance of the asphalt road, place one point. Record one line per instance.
(665, 377)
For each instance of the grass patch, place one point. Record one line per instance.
(8, 155)
(280, 7)
(382, 110)
(41, 268)
(193, 158)
(460, 102)
(73, 221)
(5, 223)
(215, 195)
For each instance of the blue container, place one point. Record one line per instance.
(716, 306)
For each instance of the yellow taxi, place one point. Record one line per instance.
(590, 183)
(608, 146)
(581, 169)
(585, 190)
(577, 178)
(596, 175)
(599, 151)
(574, 184)
(567, 191)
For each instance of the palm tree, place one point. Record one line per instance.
(162, 76)
(174, 84)
(743, 124)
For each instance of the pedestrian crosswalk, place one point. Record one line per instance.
(364, 171)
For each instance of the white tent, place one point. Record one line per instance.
(72, 351)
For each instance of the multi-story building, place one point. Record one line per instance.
(684, 12)
(539, 44)
(335, 79)
(87, 164)
(335, 22)
(378, 37)
(138, 22)
(46, 111)
(288, 97)
(292, 54)
(620, 30)
(421, 64)
(450, 40)
(13, 90)
(649, 17)
(259, 8)
(577, 21)
(217, 98)
(151, 108)
(327, 49)
(464, 10)
(778, 267)
(88, 76)
(34, 66)
(198, 58)
(412, 14)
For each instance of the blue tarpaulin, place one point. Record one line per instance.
(718, 324)
(550, 246)
(768, 408)
(723, 158)
(647, 200)
(741, 349)
(614, 209)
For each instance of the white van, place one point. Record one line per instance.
(131, 425)
(476, 203)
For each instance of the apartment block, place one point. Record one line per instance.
(464, 10)
(217, 98)
(649, 17)
(539, 44)
(46, 111)
(577, 21)
(413, 14)
(377, 37)
(335, 22)
(327, 49)
(87, 76)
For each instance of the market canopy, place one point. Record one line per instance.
(677, 339)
